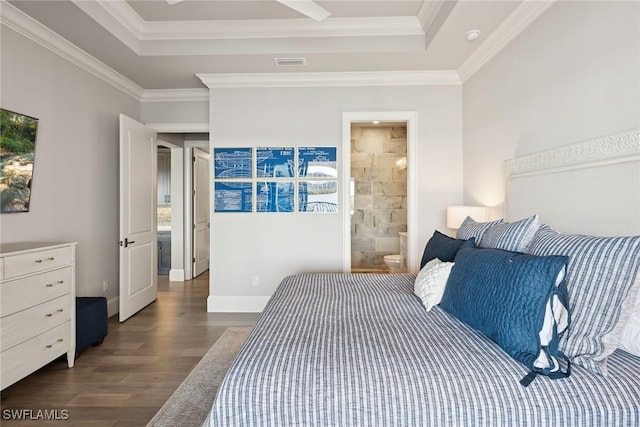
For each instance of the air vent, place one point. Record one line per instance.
(290, 62)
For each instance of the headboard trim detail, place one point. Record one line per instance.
(620, 147)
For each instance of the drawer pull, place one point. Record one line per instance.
(38, 261)
(59, 282)
(60, 310)
(57, 341)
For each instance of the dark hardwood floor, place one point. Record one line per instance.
(125, 380)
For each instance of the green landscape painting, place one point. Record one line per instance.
(17, 153)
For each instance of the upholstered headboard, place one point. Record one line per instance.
(591, 187)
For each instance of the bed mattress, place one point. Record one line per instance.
(361, 350)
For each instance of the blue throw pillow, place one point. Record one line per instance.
(517, 300)
(444, 248)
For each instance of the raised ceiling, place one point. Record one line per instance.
(158, 45)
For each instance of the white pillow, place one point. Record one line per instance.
(431, 282)
(630, 335)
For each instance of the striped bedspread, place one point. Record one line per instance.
(360, 350)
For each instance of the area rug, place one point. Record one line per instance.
(189, 405)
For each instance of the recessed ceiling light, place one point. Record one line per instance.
(472, 35)
(375, 122)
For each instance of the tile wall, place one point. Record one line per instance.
(380, 205)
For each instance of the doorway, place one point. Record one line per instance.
(164, 210)
(201, 211)
(405, 166)
(197, 206)
(176, 200)
(379, 184)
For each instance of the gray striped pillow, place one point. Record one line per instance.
(470, 228)
(600, 274)
(511, 236)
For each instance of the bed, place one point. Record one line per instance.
(362, 349)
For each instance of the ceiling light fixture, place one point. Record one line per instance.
(472, 35)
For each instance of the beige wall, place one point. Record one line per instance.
(272, 246)
(573, 75)
(75, 183)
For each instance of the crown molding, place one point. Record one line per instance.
(281, 28)
(617, 148)
(518, 21)
(175, 95)
(332, 79)
(18, 21)
(142, 36)
(118, 18)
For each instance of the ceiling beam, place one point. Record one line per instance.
(432, 16)
(307, 8)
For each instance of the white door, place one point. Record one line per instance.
(138, 199)
(200, 211)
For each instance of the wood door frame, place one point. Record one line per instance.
(410, 117)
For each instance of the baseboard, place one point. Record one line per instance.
(113, 306)
(215, 304)
(236, 304)
(176, 275)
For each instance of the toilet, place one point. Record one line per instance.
(397, 262)
(394, 262)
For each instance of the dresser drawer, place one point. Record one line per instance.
(23, 293)
(25, 358)
(21, 326)
(34, 262)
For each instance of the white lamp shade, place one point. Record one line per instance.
(457, 214)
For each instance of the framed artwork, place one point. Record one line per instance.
(275, 196)
(318, 196)
(17, 157)
(276, 179)
(275, 162)
(232, 163)
(233, 196)
(317, 162)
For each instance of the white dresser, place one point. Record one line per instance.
(37, 307)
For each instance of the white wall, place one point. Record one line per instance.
(272, 246)
(573, 75)
(75, 184)
(181, 112)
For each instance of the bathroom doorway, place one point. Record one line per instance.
(384, 118)
(379, 182)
